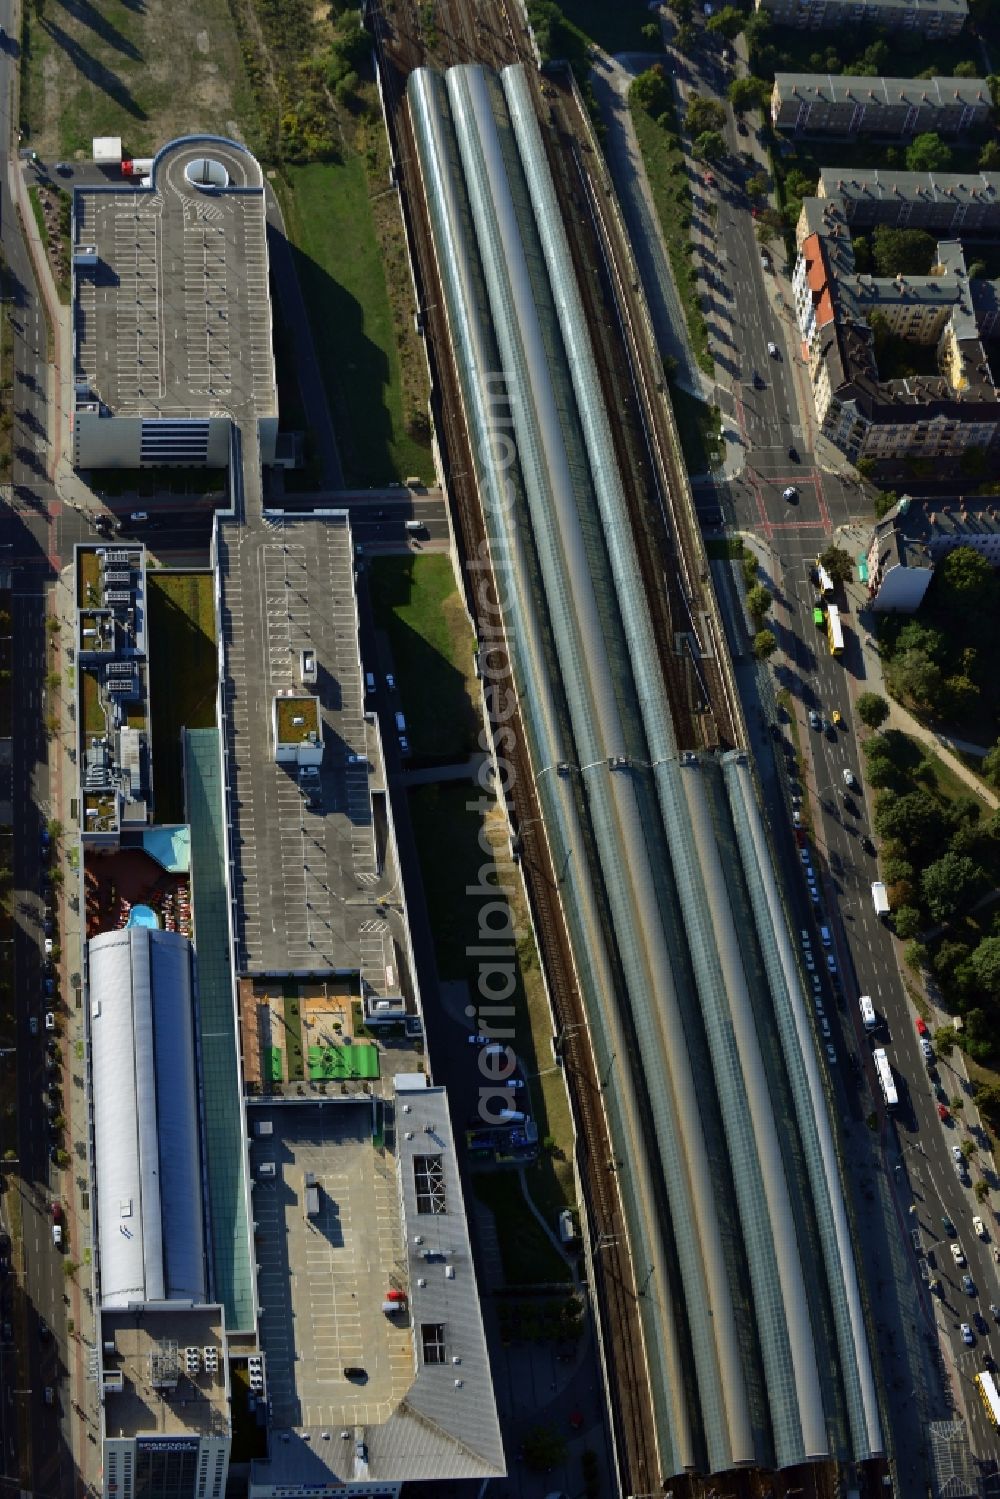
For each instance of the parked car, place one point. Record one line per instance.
(979, 1227)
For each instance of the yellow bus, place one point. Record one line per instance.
(835, 631)
(987, 1387)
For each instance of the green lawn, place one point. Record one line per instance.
(147, 72)
(614, 26)
(668, 181)
(183, 668)
(698, 426)
(451, 839)
(528, 1257)
(329, 220)
(418, 605)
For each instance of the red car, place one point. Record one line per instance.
(57, 1212)
(921, 1026)
(943, 1112)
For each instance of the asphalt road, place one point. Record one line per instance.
(903, 1177)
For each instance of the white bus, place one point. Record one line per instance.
(885, 1079)
(987, 1386)
(868, 1017)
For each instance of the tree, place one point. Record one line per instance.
(967, 1148)
(927, 153)
(915, 677)
(702, 114)
(985, 962)
(837, 563)
(865, 465)
(965, 582)
(757, 185)
(980, 1191)
(908, 923)
(965, 70)
(881, 774)
(894, 870)
(652, 34)
(976, 270)
(759, 601)
(989, 156)
(710, 145)
(727, 22)
(872, 709)
(913, 820)
(685, 39)
(908, 252)
(650, 91)
(884, 502)
(544, 1447)
(765, 643)
(987, 1097)
(950, 883)
(747, 93)
(682, 9)
(991, 765)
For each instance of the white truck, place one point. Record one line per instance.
(880, 899)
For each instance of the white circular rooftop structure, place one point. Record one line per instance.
(206, 172)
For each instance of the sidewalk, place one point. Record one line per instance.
(73, 1184)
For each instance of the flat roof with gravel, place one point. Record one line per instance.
(306, 879)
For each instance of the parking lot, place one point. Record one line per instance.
(322, 1279)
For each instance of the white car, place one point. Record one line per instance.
(831, 1054)
(831, 962)
(807, 959)
(48, 947)
(956, 1154)
(979, 1228)
(791, 493)
(33, 1024)
(772, 349)
(967, 1336)
(390, 681)
(50, 1021)
(824, 1026)
(957, 1253)
(849, 778)
(804, 855)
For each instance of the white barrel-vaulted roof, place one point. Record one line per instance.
(146, 1132)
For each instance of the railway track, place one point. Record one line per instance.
(400, 47)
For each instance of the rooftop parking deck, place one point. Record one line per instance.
(171, 307)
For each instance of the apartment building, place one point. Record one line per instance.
(942, 202)
(938, 414)
(890, 108)
(907, 543)
(933, 18)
